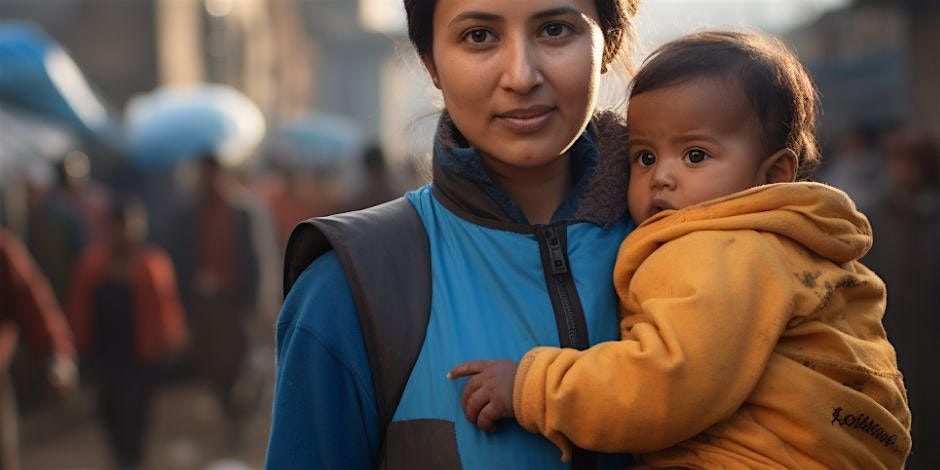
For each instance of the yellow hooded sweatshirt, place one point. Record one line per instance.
(751, 338)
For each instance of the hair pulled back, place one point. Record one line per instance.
(615, 18)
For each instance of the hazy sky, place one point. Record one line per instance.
(661, 20)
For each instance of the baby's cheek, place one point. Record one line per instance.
(637, 209)
(637, 199)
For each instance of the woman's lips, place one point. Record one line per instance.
(526, 120)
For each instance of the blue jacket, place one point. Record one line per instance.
(494, 294)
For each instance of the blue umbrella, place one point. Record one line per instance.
(319, 140)
(29, 144)
(37, 75)
(171, 125)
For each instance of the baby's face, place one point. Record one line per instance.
(691, 142)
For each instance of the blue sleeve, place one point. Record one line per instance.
(324, 405)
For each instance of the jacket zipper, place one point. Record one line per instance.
(569, 315)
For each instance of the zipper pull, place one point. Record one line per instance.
(556, 253)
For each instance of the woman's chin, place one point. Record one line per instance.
(527, 152)
(509, 161)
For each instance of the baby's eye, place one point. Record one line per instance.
(645, 158)
(556, 30)
(479, 36)
(696, 156)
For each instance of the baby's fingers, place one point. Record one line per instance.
(467, 368)
(471, 387)
(473, 403)
(488, 417)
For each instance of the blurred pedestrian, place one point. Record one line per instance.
(857, 166)
(125, 310)
(379, 185)
(295, 194)
(216, 251)
(906, 254)
(27, 304)
(70, 216)
(286, 207)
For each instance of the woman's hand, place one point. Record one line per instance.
(487, 396)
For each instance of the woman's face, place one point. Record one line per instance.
(520, 77)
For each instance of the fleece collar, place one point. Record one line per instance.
(463, 185)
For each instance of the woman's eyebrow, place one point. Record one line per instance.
(560, 11)
(484, 16)
(475, 15)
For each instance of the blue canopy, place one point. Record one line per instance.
(38, 76)
(175, 124)
(319, 140)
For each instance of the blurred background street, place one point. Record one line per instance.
(186, 434)
(170, 146)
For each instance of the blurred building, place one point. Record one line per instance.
(129, 47)
(347, 57)
(112, 42)
(875, 63)
(923, 41)
(287, 55)
(349, 61)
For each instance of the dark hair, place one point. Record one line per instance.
(616, 21)
(781, 92)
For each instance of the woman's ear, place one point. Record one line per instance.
(432, 71)
(779, 168)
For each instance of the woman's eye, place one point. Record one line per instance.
(696, 156)
(479, 36)
(645, 159)
(556, 30)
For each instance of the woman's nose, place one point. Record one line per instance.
(521, 70)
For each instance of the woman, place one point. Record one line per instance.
(524, 217)
(125, 311)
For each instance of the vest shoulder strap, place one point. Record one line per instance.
(385, 255)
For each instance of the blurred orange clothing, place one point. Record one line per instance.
(159, 324)
(287, 210)
(27, 302)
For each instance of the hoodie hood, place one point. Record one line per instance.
(821, 218)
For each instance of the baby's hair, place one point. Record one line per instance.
(781, 92)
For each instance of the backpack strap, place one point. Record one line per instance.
(385, 255)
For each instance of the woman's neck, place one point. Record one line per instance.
(537, 191)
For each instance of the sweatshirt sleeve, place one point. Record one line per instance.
(33, 304)
(703, 315)
(324, 412)
(163, 294)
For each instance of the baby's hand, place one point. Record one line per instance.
(487, 396)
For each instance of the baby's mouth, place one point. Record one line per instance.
(658, 206)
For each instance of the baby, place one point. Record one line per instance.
(751, 336)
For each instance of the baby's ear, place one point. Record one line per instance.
(779, 168)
